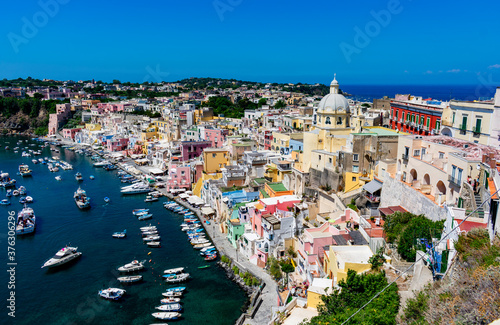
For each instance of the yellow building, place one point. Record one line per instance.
(353, 181)
(93, 127)
(150, 133)
(319, 287)
(277, 170)
(214, 159)
(332, 127)
(340, 259)
(163, 129)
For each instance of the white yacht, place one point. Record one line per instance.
(135, 188)
(64, 255)
(132, 266)
(26, 221)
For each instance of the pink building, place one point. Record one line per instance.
(269, 206)
(57, 120)
(179, 177)
(113, 107)
(70, 133)
(216, 136)
(117, 144)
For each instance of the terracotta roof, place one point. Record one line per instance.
(390, 210)
(493, 189)
(468, 225)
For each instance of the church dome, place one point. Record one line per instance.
(334, 102)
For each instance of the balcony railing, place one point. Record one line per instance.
(404, 156)
(476, 130)
(455, 181)
(463, 127)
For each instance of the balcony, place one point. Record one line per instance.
(455, 181)
(404, 156)
(476, 130)
(463, 129)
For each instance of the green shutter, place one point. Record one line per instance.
(478, 125)
(428, 122)
(464, 123)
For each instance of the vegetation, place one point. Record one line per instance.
(146, 113)
(471, 295)
(274, 268)
(378, 259)
(354, 292)
(286, 266)
(410, 231)
(280, 104)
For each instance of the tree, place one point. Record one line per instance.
(354, 292)
(38, 96)
(115, 81)
(378, 259)
(262, 102)
(280, 104)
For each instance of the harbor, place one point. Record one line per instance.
(60, 223)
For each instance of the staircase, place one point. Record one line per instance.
(480, 211)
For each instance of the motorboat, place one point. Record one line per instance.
(170, 307)
(107, 199)
(206, 249)
(135, 265)
(91, 177)
(153, 244)
(22, 190)
(145, 217)
(151, 238)
(120, 234)
(63, 256)
(78, 177)
(177, 278)
(58, 178)
(148, 228)
(200, 246)
(9, 193)
(137, 211)
(81, 199)
(170, 300)
(136, 188)
(172, 294)
(15, 192)
(26, 221)
(22, 200)
(34, 161)
(112, 293)
(199, 241)
(101, 163)
(166, 315)
(141, 213)
(211, 257)
(5, 202)
(149, 233)
(130, 279)
(150, 198)
(29, 199)
(177, 289)
(6, 181)
(174, 270)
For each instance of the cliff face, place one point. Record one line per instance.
(21, 122)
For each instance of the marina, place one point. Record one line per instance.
(210, 292)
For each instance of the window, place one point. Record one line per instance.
(339, 120)
(355, 169)
(416, 152)
(354, 179)
(441, 155)
(319, 157)
(453, 171)
(183, 172)
(328, 121)
(214, 155)
(428, 122)
(355, 157)
(459, 176)
(330, 160)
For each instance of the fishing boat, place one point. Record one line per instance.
(107, 199)
(63, 256)
(81, 199)
(24, 170)
(170, 307)
(112, 293)
(5, 202)
(211, 257)
(120, 234)
(6, 181)
(174, 270)
(130, 279)
(166, 315)
(145, 217)
(153, 244)
(139, 211)
(135, 265)
(78, 177)
(172, 294)
(148, 228)
(170, 300)
(176, 278)
(26, 221)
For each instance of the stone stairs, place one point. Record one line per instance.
(480, 211)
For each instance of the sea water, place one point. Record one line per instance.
(68, 294)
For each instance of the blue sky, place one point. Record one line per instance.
(411, 42)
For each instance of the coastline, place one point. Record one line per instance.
(261, 299)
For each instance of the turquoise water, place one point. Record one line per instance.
(68, 295)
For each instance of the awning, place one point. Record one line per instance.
(207, 211)
(183, 196)
(373, 186)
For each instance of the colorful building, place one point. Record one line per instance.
(416, 115)
(193, 149)
(214, 160)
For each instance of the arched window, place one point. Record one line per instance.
(339, 120)
(327, 121)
